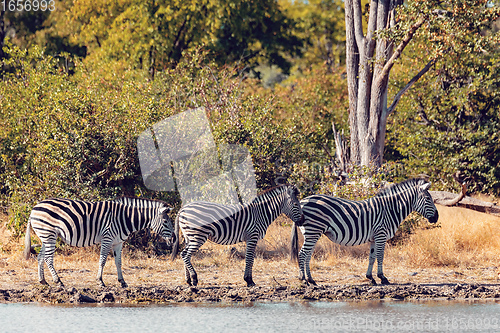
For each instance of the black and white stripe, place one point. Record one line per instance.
(231, 224)
(81, 223)
(347, 222)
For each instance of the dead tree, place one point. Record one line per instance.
(462, 200)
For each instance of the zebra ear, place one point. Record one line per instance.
(293, 191)
(165, 210)
(425, 187)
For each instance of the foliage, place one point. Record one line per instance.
(45, 28)
(308, 104)
(255, 32)
(446, 29)
(153, 35)
(62, 138)
(450, 120)
(68, 126)
(320, 24)
(364, 182)
(75, 135)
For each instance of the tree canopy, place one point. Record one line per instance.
(154, 34)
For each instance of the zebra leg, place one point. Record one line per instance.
(50, 248)
(379, 249)
(117, 252)
(371, 261)
(187, 273)
(305, 255)
(105, 248)
(191, 276)
(41, 256)
(249, 258)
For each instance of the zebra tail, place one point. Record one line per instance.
(27, 241)
(175, 246)
(294, 244)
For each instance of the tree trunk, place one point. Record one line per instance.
(369, 61)
(2, 33)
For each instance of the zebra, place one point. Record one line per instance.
(82, 223)
(231, 224)
(374, 220)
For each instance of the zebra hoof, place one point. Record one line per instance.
(249, 282)
(58, 282)
(372, 280)
(384, 281)
(311, 282)
(123, 283)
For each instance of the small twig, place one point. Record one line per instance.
(277, 282)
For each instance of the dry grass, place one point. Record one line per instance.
(465, 248)
(466, 239)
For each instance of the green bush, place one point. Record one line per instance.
(450, 122)
(74, 135)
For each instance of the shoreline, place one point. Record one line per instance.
(232, 295)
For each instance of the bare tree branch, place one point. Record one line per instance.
(341, 149)
(372, 21)
(413, 29)
(399, 50)
(409, 84)
(445, 198)
(357, 20)
(454, 201)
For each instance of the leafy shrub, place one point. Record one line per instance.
(449, 122)
(75, 135)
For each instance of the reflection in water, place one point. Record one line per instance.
(259, 317)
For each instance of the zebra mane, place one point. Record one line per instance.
(261, 194)
(140, 202)
(400, 187)
(270, 189)
(275, 188)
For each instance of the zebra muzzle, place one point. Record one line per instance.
(300, 222)
(434, 218)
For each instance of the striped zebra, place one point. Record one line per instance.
(347, 222)
(231, 224)
(81, 223)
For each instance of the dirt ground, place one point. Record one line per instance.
(157, 279)
(229, 294)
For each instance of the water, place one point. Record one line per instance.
(257, 317)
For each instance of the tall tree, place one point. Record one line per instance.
(451, 25)
(154, 34)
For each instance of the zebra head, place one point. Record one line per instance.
(291, 205)
(424, 203)
(163, 225)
